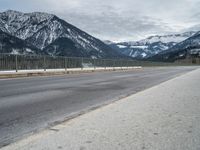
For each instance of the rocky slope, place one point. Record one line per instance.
(14, 45)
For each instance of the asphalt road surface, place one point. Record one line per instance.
(28, 105)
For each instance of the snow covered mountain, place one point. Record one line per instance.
(180, 50)
(176, 38)
(52, 35)
(150, 46)
(14, 45)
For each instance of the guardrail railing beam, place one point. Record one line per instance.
(25, 62)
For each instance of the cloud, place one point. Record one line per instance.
(115, 19)
(113, 26)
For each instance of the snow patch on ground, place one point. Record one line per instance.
(140, 47)
(122, 46)
(15, 52)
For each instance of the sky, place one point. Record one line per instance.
(118, 20)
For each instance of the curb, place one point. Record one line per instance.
(55, 73)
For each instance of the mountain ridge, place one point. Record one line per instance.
(42, 29)
(11, 44)
(180, 50)
(150, 46)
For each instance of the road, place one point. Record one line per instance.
(28, 105)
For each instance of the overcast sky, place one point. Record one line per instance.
(118, 20)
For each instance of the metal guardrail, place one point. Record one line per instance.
(189, 60)
(33, 62)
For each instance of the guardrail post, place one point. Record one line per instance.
(105, 64)
(94, 64)
(44, 63)
(113, 64)
(65, 63)
(16, 63)
(82, 63)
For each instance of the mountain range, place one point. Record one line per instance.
(180, 50)
(46, 34)
(42, 33)
(150, 46)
